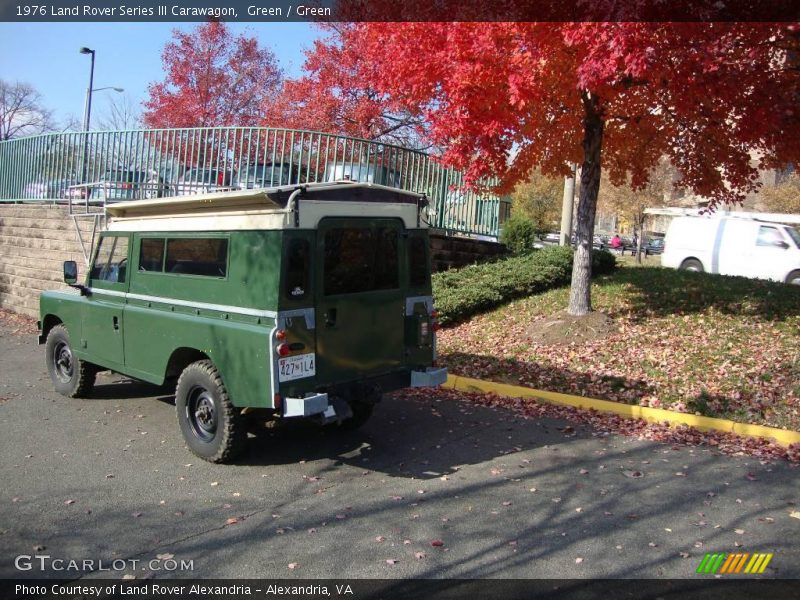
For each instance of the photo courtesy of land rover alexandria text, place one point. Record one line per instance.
(301, 301)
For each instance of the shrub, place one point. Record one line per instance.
(461, 293)
(518, 234)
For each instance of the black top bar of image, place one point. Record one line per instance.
(394, 11)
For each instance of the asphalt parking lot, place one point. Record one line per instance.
(430, 487)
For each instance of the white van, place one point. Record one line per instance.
(733, 246)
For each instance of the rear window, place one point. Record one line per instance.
(360, 259)
(197, 256)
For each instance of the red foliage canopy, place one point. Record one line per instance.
(212, 79)
(337, 95)
(505, 97)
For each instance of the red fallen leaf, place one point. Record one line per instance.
(437, 543)
(232, 521)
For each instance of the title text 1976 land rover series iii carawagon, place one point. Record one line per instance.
(303, 301)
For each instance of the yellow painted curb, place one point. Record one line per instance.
(654, 415)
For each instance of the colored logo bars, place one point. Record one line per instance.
(723, 563)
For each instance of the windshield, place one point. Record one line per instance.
(794, 234)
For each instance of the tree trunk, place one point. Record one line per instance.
(580, 299)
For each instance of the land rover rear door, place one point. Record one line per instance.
(359, 300)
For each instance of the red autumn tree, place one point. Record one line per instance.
(504, 98)
(335, 95)
(212, 78)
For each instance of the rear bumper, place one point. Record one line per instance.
(305, 407)
(430, 377)
(318, 403)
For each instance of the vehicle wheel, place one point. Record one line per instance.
(793, 278)
(362, 406)
(361, 414)
(212, 427)
(692, 264)
(71, 376)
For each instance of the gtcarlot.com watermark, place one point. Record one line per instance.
(47, 563)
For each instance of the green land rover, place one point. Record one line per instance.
(302, 301)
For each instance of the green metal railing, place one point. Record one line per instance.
(106, 166)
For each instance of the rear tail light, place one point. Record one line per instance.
(283, 350)
(280, 335)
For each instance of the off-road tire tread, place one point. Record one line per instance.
(86, 372)
(234, 426)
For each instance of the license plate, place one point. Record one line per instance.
(296, 367)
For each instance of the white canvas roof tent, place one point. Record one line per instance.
(301, 205)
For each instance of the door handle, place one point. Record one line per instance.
(116, 323)
(330, 317)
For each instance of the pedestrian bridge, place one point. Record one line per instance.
(87, 171)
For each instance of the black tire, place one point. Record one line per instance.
(793, 278)
(212, 427)
(362, 411)
(71, 376)
(692, 264)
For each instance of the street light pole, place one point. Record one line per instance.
(87, 111)
(87, 108)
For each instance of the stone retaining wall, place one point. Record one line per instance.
(34, 243)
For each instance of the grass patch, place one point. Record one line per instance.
(692, 342)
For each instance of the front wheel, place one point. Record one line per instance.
(212, 427)
(793, 278)
(71, 376)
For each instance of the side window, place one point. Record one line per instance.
(387, 273)
(151, 255)
(768, 236)
(417, 262)
(297, 264)
(110, 260)
(197, 256)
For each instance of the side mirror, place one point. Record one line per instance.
(781, 244)
(70, 272)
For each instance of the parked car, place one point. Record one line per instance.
(367, 173)
(654, 246)
(733, 246)
(128, 184)
(256, 317)
(265, 176)
(47, 189)
(203, 180)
